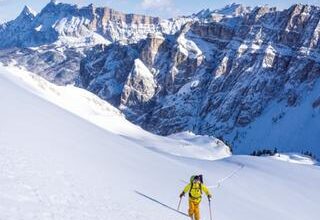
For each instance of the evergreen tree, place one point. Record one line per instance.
(275, 151)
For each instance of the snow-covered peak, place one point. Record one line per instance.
(21, 23)
(56, 8)
(91, 5)
(53, 2)
(233, 9)
(26, 13)
(204, 13)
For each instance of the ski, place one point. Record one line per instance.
(160, 203)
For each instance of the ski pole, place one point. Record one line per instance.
(210, 209)
(179, 203)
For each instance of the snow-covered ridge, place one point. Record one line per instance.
(97, 111)
(295, 158)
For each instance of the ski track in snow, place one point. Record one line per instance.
(233, 173)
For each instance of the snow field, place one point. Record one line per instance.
(58, 163)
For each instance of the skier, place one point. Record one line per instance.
(195, 189)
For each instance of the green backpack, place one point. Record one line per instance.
(200, 176)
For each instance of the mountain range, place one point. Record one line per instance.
(249, 76)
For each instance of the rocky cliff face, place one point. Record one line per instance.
(217, 77)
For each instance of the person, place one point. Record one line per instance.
(195, 189)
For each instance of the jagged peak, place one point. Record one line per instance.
(297, 6)
(204, 13)
(233, 6)
(55, 6)
(91, 5)
(233, 9)
(263, 9)
(27, 11)
(50, 5)
(54, 2)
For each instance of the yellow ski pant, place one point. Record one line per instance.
(194, 211)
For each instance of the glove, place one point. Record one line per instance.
(181, 195)
(209, 197)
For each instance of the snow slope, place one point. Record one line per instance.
(56, 165)
(287, 128)
(99, 112)
(295, 158)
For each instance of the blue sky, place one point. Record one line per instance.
(9, 9)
